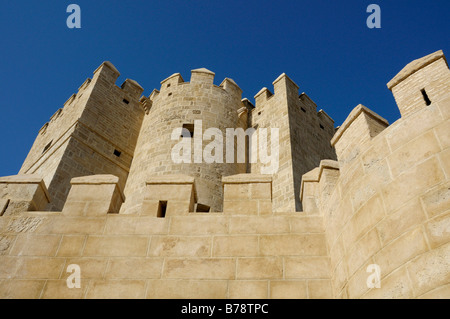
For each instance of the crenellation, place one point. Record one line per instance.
(106, 194)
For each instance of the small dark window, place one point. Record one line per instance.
(304, 111)
(169, 94)
(259, 113)
(202, 208)
(117, 153)
(126, 101)
(425, 97)
(168, 85)
(162, 208)
(321, 126)
(47, 147)
(3, 209)
(190, 128)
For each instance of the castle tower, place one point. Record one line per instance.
(421, 82)
(304, 138)
(178, 105)
(94, 133)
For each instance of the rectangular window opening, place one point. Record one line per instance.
(162, 208)
(304, 111)
(190, 130)
(126, 101)
(201, 208)
(47, 147)
(425, 97)
(322, 127)
(117, 153)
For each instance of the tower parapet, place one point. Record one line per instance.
(178, 105)
(304, 136)
(94, 133)
(421, 83)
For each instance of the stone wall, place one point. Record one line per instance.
(180, 103)
(237, 254)
(386, 202)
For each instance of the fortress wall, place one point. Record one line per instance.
(390, 207)
(176, 104)
(197, 255)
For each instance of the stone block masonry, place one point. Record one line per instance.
(103, 194)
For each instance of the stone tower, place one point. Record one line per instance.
(374, 222)
(421, 82)
(178, 105)
(106, 129)
(94, 133)
(304, 134)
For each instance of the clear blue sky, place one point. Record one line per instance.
(324, 46)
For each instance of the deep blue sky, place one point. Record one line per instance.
(324, 46)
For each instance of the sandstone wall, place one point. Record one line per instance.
(176, 104)
(387, 203)
(237, 254)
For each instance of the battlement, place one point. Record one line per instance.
(203, 77)
(361, 126)
(420, 83)
(282, 85)
(100, 189)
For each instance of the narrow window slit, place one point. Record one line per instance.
(47, 147)
(117, 153)
(425, 97)
(126, 101)
(162, 208)
(3, 209)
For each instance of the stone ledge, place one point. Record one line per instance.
(95, 180)
(415, 66)
(170, 179)
(26, 179)
(247, 178)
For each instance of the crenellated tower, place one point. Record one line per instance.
(304, 138)
(179, 104)
(94, 133)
